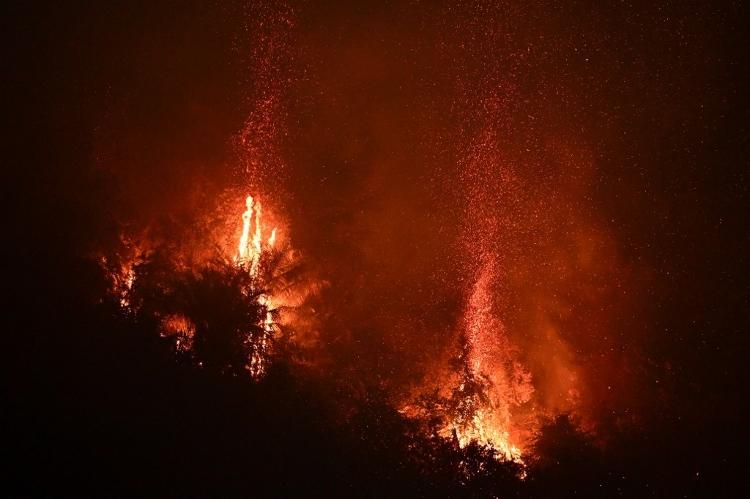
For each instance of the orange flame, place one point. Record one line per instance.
(249, 253)
(491, 357)
(486, 402)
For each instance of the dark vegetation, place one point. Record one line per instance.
(100, 405)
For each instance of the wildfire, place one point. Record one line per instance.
(127, 285)
(255, 247)
(484, 401)
(250, 249)
(249, 253)
(179, 327)
(485, 414)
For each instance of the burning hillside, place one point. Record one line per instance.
(380, 249)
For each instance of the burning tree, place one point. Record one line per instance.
(213, 313)
(478, 399)
(221, 307)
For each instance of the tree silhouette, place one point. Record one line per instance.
(220, 300)
(565, 460)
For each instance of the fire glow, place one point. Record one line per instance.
(487, 417)
(249, 253)
(484, 397)
(255, 247)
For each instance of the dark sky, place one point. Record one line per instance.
(599, 154)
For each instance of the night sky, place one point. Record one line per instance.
(595, 154)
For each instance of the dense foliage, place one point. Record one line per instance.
(103, 405)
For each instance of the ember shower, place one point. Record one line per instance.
(444, 190)
(473, 212)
